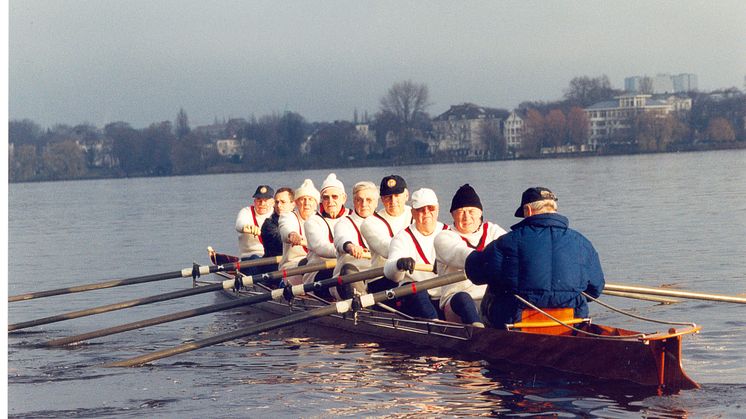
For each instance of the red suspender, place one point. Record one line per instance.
(328, 227)
(482, 240)
(359, 236)
(256, 223)
(391, 232)
(417, 246)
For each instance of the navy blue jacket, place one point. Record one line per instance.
(543, 261)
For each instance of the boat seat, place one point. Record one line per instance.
(533, 321)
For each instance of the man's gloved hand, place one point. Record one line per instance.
(405, 264)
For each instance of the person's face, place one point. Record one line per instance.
(332, 200)
(365, 202)
(283, 203)
(425, 218)
(263, 205)
(467, 219)
(394, 204)
(306, 206)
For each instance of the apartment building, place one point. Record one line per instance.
(614, 117)
(463, 129)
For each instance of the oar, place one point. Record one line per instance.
(273, 295)
(339, 307)
(171, 295)
(644, 297)
(673, 293)
(194, 271)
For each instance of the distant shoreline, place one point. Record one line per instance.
(94, 174)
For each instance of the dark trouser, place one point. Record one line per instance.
(321, 275)
(348, 291)
(417, 305)
(463, 305)
(258, 270)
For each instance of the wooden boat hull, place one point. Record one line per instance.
(653, 361)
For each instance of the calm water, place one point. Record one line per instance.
(677, 219)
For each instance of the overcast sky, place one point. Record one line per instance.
(100, 61)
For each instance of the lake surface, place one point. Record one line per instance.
(674, 219)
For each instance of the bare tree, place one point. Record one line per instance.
(535, 132)
(585, 91)
(64, 160)
(182, 124)
(577, 126)
(719, 129)
(406, 100)
(555, 125)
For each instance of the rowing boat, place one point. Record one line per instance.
(583, 348)
(650, 360)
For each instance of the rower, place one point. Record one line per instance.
(291, 225)
(384, 224)
(271, 228)
(459, 301)
(249, 224)
(352, 248)
(541, 260)
(415, 244)
(320, 229)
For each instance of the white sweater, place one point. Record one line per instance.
(452, 248)
(346, 230)
(378, 232)
(291, 222)
(403, 245)
(249, 244)
(320, 236)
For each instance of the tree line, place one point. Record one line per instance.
(399, 133)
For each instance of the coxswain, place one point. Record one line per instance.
(384, 224)
(459, 301)
(249, 225)
(352, 248)
(292, 230)
(320, 229)
(413, 245)
(541, 260)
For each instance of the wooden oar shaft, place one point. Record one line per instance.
(340, 307)
(186, 272)
(644, 297)
(254, 299)
(161, 297)
(160, 319)
(115, 306)
(284, 273)
(674, 293)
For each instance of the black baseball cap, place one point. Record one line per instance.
(392, 184)
(534, 194)
(264, 192)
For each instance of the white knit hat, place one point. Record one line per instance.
(424, 197)
(307, 189)
(331, 181)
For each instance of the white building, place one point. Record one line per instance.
(461, 129)
(228, 147)
(663, 83)
(614, 117)
(684, 82)
(514, 130)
